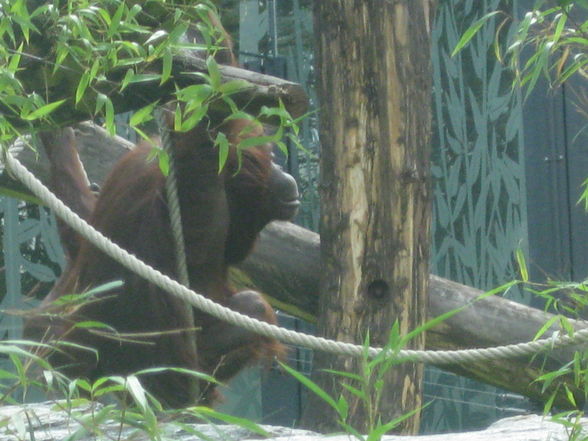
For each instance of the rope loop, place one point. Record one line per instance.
(285, 335)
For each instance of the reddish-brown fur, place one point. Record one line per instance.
(132, 211)
(222, 214)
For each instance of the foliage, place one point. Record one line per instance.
(548, 41)
(86, 53)
(567, 299)
(113, 407)
(114, 401)
(367, 385)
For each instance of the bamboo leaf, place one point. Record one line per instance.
(166, 68)
(43, 111)
(214, 73)
(522, 265)
(82, 86)
(109, 116)
(230, 419)
(163, 161)
(311, 385)
(134, 386)
(155, 36)
(143, 115)
(222, 143)
(471, 32)
(381, 430)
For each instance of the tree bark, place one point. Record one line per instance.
(374, 90)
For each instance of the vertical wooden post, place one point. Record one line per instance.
(374, 70)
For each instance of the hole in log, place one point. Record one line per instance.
(378, 290)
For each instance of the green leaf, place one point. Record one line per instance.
(142, 78)
(214, 72)
(163, 161)
(134, 386)
(116, 19)
(114, 388)
(233, 86)
(222, 143)
(15, 59)
(194, 117)
(280, 112)
(15, 350)
(561, 22)
(109, 116)
(105, 287)
(342, 408)
(126, 79)
(472, 31)
(82, 86)
(552, 321)
(567, 326)
(572, 68)
(156, 36)
(429, 324)
(143, 115)
(83, 384)
(355, 391)
(91, 324)
(196, 92)
(166, 67)
(520, 256)
(100, 102)
(193, 373)
(257, 141)
(4, 191)
(99, 382)
(178, 118)
(230, 419)
(381, 430)
(43, 110)
(178, 31)
(242, 115)
(314, 388)
(350, 375)
(105, 16)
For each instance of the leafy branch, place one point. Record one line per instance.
(548, 41)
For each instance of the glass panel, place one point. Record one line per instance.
(479, 208)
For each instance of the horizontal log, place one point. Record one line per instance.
(98, 150)
(255, 91)
(285, 265)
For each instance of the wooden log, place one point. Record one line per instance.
(285, 265)
(256, 90)
(98, 150)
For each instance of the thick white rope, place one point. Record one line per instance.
(263, 328)
(173, 202)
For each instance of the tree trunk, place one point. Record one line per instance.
(374, 91)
